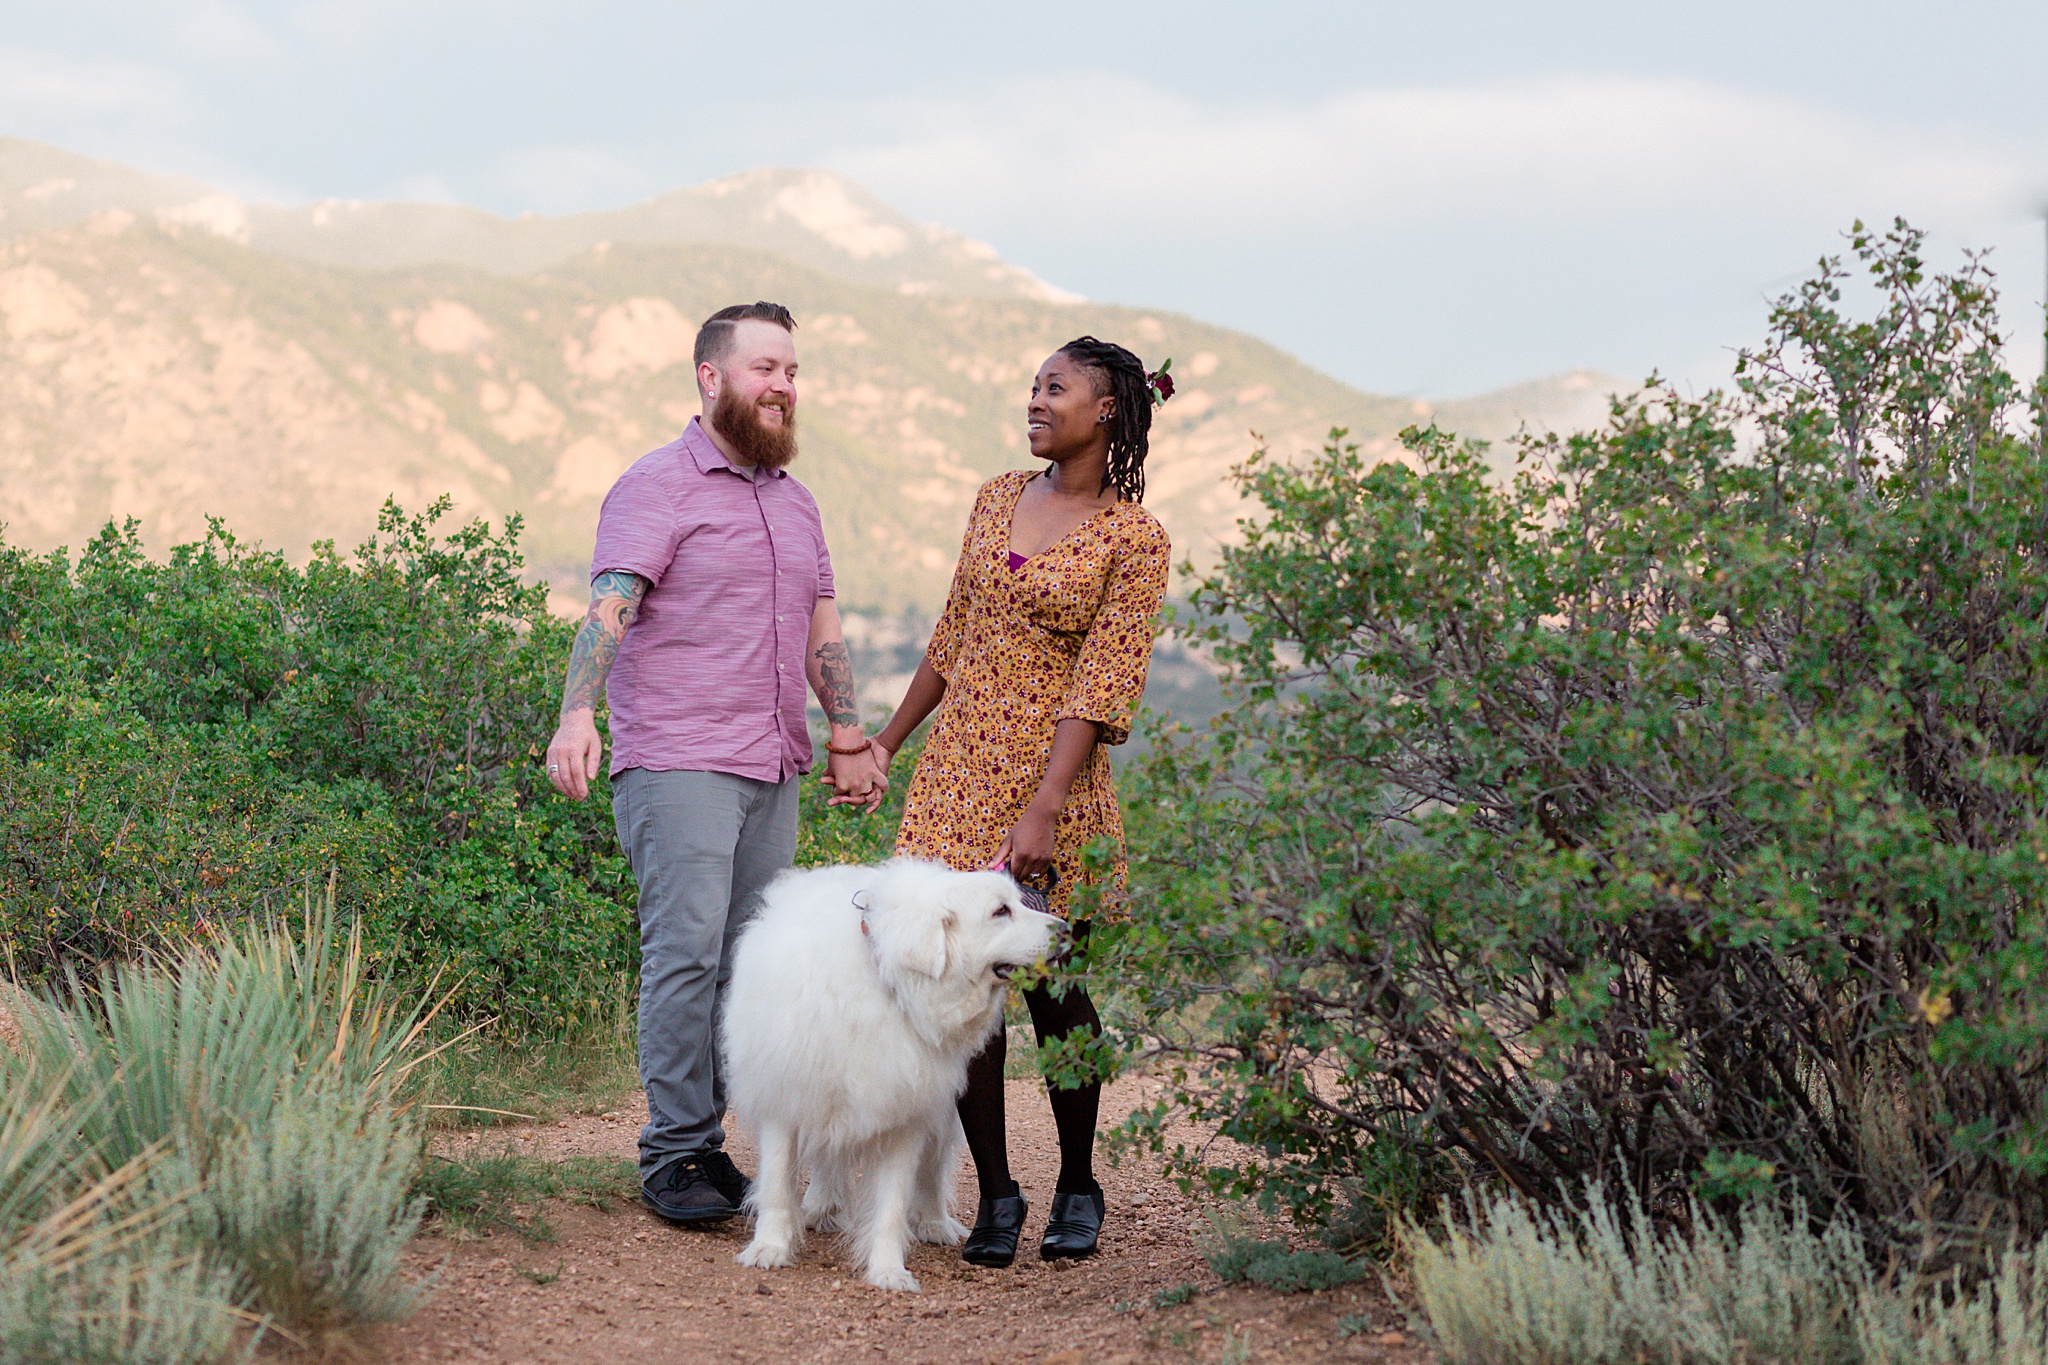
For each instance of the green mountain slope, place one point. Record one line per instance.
(170, 355)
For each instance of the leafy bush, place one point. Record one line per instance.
(185, 742)
(189, 742)
(1670, 815)
(1512, 1285)
(123, 840)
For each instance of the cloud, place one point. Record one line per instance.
(40, 88)
(1561, 147)
(1613, 221)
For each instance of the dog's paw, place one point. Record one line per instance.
(894, 1277)
(766, 1255)
(943, 1231)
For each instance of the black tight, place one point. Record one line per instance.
(1073, 1111)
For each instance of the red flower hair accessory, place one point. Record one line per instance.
(1161, 382)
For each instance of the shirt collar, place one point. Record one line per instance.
(706, 455)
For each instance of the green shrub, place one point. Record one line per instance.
(527, 915)
(188, 742)
(124, 840)
(1238, 1258)
(1671, 814)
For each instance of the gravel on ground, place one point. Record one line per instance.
(622, 1286)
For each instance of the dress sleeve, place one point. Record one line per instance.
(947, 634)
(1109, 675)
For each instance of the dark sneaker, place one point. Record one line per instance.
(728, 1179)
(683, 1192)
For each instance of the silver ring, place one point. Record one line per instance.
(554, 767)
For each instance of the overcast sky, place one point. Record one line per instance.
(1427, 199)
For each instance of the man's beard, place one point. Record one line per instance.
(739, 421)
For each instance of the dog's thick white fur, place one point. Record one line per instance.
(858, 996)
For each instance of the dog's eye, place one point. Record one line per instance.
(1002, 912)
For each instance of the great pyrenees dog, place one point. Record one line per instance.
(858, 996)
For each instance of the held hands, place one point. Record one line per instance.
(857, 779)
(575, 753)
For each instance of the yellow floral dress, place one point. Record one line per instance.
(1066, 635)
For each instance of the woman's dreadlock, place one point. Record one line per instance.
(1122, 377)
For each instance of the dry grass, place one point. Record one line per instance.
(1509, 1285)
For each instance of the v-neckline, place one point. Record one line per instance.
(1010, 536)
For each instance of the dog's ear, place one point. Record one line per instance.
(938, 944)
(922, 942)
(919, 938)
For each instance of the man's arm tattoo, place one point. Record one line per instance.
(614, 603)
(832, 676)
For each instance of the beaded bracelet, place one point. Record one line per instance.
(861, 748)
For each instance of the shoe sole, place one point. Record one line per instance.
(685, 1220)
(1059, 1254)
(989, 1262)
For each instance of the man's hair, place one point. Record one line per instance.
(1120, 375)
(714, 338)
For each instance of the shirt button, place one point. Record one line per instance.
(778, 668)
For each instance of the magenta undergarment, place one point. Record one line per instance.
(1018, 561)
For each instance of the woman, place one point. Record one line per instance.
(1036, 664)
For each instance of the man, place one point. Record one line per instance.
(711, 602)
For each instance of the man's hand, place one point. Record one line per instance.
(577, 749)
(857, 780)
(575, 754)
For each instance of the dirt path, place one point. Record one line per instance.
(633, 1289)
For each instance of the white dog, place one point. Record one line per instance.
(858, 996)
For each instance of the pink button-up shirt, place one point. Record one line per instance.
(711, 675)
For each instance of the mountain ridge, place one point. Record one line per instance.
(813, 217)
(170, 354)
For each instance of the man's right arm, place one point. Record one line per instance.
(577, 750)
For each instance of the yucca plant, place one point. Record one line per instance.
(317, 1213)
(90, 1268)
(263, 1075)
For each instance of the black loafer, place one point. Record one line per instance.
(1074, 1227)
(996, 1224)
(683, 1193)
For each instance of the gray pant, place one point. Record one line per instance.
(702, 846)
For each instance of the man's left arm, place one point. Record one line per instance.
(857, 778)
